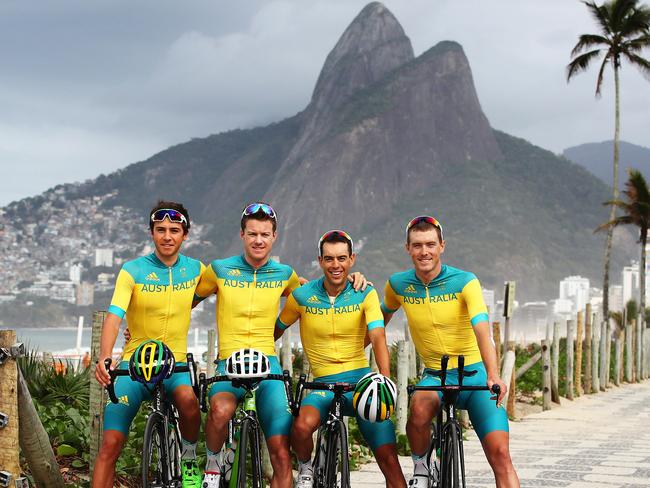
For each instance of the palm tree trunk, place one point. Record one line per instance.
(612, 213)
(644, 240)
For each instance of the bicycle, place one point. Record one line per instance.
(331, 463)
(446, 447)
(161, 450)
(244, 430)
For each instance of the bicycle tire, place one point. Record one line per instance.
(450, 463)
(174, 444)
(155, 467)
(249, 467)
(337, 472)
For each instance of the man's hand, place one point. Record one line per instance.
(127, 335)
(302, 280)
(359, 282)
(496, 380)
(101, 375)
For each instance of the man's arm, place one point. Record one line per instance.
(489, 357)
(110, 330)
(207, 285)
(378, 338)
(290, 313)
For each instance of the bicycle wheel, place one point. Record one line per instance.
(337, 471)
(174, 450)
(450, 459)
(249, 469)
(155, 467)
(320, 456)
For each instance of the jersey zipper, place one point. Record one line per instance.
(169, 303)
(250, 307)
(435, 329)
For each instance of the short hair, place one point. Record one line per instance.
(179, 207)
(259, 215)
(334, 237)
(423, 226)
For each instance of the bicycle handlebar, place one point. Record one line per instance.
(113, 373)
(248, 383)
(337, 388)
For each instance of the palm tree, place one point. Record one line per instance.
(624, 32)
(635, 210)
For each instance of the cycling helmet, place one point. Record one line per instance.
(151, 362)
(247, 363)
(374, 397)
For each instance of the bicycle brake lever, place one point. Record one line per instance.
(496, 389)
(110, 388)
(202, 391)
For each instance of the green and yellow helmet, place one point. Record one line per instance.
(374, 397)
(151, 362)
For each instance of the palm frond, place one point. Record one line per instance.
(640, 63)
(619, 13)
(586, 41)
(581, 63)
(636, 22)
(601, 74)
(601, 15)
(636, 45)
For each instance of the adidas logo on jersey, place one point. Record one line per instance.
(410, 289)
(234, 272)
(313, 299)
(124, 399)
(152, 277)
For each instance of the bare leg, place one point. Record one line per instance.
(496, 447)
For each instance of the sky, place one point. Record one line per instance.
(89, 87)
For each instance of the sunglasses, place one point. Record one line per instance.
(337, 233)
(424, 218)
(170, 214)
(253, 208)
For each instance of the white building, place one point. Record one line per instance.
(75, 273)
(85, 294)
(103, 257)
(576, 290)
(630, 282)
(616, 302)
(488, 298)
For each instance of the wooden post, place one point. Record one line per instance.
(578, 365)
(555, 363)
(402, 383)
(546, 375)
(608, 352)
(570, 334)
(506, 335)
(588, 358)
(373, 361)
(9, 443)
(97, 398)
(646, 353)
(507, 375)
(529, 364)
(602, 374)
(286, 352)
(212, 352)
(629, 328)
(639, 346)
(595, 379)
(496, 336)
(617, 358)
(413, 370)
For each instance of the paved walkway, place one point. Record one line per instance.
(596, 441)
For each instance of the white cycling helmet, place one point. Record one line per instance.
(374, 397)
(247, 363)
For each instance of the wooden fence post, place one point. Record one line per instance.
(588, 358)
(212, 353)
(413, 370)
(9, 443)
(608, 353)
(546, 375)
(286, 352)
(646, 353)
(640, 325)
(496, 337)
(555, 366)
(603, 373)
(618, 357)
(402, 383)
(97, 396)
(507, 375)
(628, 351)
(595, 379)
(570, 333)
(578, 365)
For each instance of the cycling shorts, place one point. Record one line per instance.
(376, 434)
(483, 413)
(130, 394)
(271, 400)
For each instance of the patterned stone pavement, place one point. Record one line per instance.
(595, 441)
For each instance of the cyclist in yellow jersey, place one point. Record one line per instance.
(446, 315)
(334, 322)
(249, 288)
(155, 293)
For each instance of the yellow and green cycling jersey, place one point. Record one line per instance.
(157, 301)
(248, 301)
(440, 314)
(333, 333)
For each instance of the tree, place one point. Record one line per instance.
(624, 32)
(635, 210)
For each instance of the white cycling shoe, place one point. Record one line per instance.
(419, 481)
(211, 480)
(305, 480)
